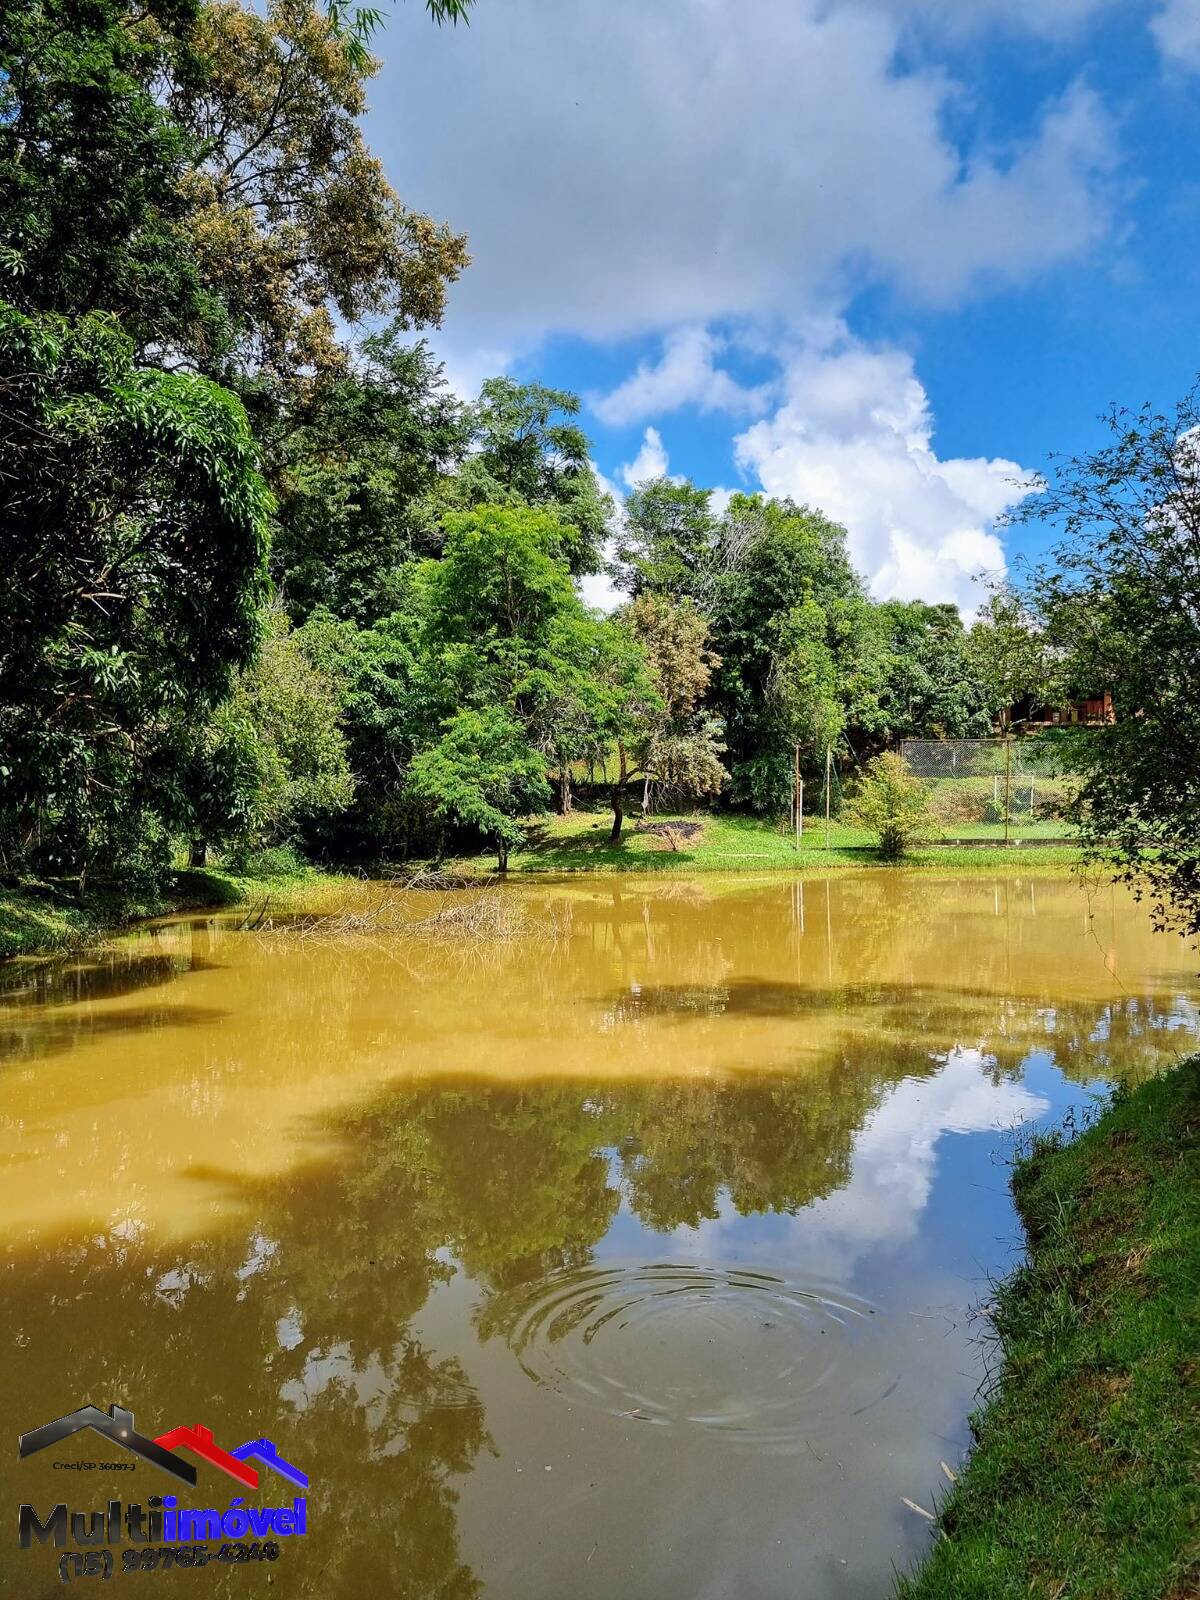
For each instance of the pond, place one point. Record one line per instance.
(638, 1254)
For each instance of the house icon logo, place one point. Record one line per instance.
(116, 1424)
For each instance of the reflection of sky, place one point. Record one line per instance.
(927, 1201)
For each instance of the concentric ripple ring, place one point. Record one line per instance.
(731, 1350)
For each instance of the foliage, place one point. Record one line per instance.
(93, 165)
(667, 541)
(934, 687)
(623, 702)
(198, 170)
(1123, 607)
(789, 617)
(682, 744)
(133, 538)
(272, 757)
(291, 220)
(482, 773)
(354, 463)
(526, 449)
(892, 804)
(507, 665)
(1012, 656)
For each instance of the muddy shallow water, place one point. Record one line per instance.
(634, 1256)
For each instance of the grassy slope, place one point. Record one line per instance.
(1084, 1481)
(730, 843)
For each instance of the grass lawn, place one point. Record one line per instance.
(731, 843)
(1084, 1481)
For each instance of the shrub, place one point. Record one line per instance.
(892, 804)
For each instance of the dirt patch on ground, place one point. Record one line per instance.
(685, 831)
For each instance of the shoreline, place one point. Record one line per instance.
(1082, 1478)
(36, 924)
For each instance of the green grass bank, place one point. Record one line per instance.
(42, 919)
(1084, 1483)
(728, 842)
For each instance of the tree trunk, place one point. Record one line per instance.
(618, 796)
(646, 796)
(198, 853)
(564, 784)
(502, 854)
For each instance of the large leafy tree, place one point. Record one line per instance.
(199, 170)
(682, 743)
(624, 706)
(483, 773)
(355, 463)
(1012, 657)
(506, 653)
(290, 218)
(933, 686)
(527, 449)
(272, 759)
(133, 543)
(793, 629)
(93, 165)
(1123, 607)
(667, 541)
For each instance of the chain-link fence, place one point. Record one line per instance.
(1001, 788)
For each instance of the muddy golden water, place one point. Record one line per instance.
(635, 1256)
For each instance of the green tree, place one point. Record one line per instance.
(933, 686)
(482, 773)
(133, 527)
(93, 165)
(682, 745)
(1011, 655)
(527, 449)
(199, 170)
(667, 541)
(789, 612)
(388, 704)
(505, 635)
(892, 804)
(355, 462)
(273, 757)
(623, 705)
(1122, 606)
(291, 219)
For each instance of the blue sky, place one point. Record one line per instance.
(882, 255)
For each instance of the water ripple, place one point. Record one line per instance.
(731, 1350)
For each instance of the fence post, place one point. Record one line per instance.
(1007, 782)
(797, 798)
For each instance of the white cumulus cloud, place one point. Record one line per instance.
(687, 374)
(1176, 30)
(624, 168)
(650, 461)
(854, 438)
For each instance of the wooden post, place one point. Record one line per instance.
(828, 788)
(797, 797)
(1007, 781)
